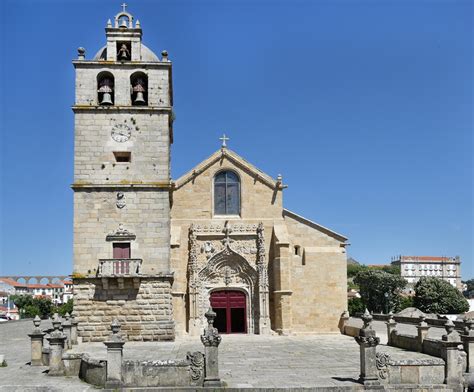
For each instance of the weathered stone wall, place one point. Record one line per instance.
(145, 312)
(318, 278)
(145, 214)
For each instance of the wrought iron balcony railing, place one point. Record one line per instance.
(121, 268)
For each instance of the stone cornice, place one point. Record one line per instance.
(138, 185)
(128, 109)
(121, 65)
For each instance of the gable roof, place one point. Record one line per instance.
(234, 158)
(315, 225)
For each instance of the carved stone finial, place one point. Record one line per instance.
(137, 24)
(390, 319)
(115, 327)
(67, 316)
(56, 322)
(164, 55)
(468, 327)
(451, 335)
(109, 23)
(81, 53)
(422, 322)
(367, 319)
(211, 336)
(449, 326)
(36, 322)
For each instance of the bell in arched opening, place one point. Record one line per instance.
(139, 90)
(105, 92)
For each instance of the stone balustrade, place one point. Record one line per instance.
(119, 268)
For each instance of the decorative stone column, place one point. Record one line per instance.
(391, 326)
(264, 302)
(56, 344)
(211, 340)
(114, 357)
(36, 343)
(422, 329)
(468, 342)
(74, 323)
(452, 355)
(67, 330)
(368, 342)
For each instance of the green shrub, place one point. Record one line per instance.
(433, 295)
(355, 305)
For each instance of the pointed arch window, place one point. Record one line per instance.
(226, 193)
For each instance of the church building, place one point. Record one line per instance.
(156, 253)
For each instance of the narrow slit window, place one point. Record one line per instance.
(123, 156)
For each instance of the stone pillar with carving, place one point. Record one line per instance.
(422, 329)
(368, 342)
(194, 319)
(36, 337)
(114, 357)
(67, 330)
(264, 306)
(391, 325)
(74, 323)
(211, 340)
(453, 356)
(56, 343)
(468, 342)
(343, 321)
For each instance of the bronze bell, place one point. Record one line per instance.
(139, 89)
(106, 99)
(106, 91)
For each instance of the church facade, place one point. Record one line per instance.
(156, 253)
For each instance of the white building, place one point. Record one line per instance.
(412, 268)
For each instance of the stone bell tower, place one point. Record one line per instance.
(123, 133)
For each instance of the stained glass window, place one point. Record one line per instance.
(226, 193)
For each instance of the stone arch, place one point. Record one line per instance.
(44, 280)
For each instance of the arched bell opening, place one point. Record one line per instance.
(105, 88)
(139, 89)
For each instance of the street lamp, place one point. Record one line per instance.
(386, 295)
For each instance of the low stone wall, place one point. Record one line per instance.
(143, 307)
(92, 371)
(350, 330)
(407, 342)
(189, 372)
(432, 347)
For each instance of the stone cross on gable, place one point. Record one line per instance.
(224, 138)
(124, 5)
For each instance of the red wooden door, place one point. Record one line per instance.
(121, 250)
(231, 309)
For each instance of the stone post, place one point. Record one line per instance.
(211, 340)
(391, 325)
(36, 343)
(423, 329)
(67, 330)
(468, 342)
(114, 357)
(56, 344)
(368, 342)
(74, 323)
(452, 355)
(343, 321)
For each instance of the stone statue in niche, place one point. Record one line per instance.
(120, 200)
(208, 248)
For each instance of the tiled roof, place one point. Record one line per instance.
(428, 258)
(13, 283)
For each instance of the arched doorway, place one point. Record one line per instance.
(231, 311)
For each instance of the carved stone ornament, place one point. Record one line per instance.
(208, 248)
(120, 200)
(121, 234)
(196, 360)
(382, 362)
(211, 336)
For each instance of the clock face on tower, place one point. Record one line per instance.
(121, 132)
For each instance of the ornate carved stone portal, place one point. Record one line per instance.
(224, 258)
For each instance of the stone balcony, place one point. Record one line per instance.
(119, 269)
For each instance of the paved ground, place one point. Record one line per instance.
(245, 360)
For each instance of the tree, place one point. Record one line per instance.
(380, 290)
(469, 292)
(30, 307)
(64, 308)
(433, 295)
(355, 305)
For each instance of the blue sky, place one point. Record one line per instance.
(364, 107)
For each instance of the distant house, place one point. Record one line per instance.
(412, 268)
(58, 293)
